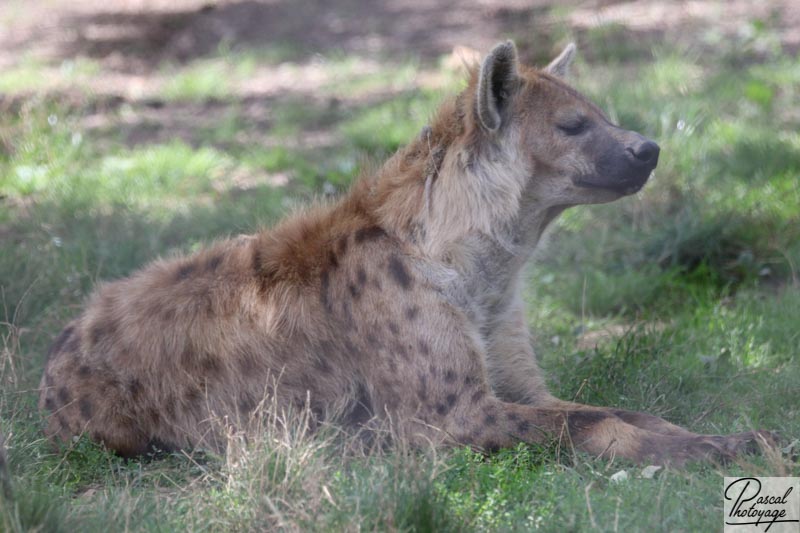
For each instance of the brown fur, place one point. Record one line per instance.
(399, 302)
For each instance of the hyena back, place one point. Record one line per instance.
(401, 301)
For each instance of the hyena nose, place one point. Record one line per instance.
(645, 154)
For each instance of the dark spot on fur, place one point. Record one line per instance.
(187, 357)
(491, 446)
(523, 426)
(63, 395)
(422, 391)
(361, 276)
(450, 376)
(110, 386)
(185, 270)
(317, 415)
(153, 416)
(256, 265)
(442, 409)
(49, 404)
(324, 297)
(246, 404)
(192, 395)
(246, 364)
(423, 347)
(135, 388)
(333, 261)
(393, 328)
(578, 421)
(412, 312)
(489, 420)
(347, 316)
(84, 371)
(210, 309)
(101, 330)
(398, 271)
(471, 381)
(354, 292)
(321, 363)
(62, 421)
(210, 365)
(169, 407)
(85, 407)
(213, 263)
(416, 231)
(361, 409)
(399, 349)
(477, 396)
(513, 417)
(369, 234)
(450, 399)
(341, 246)
(58, 344)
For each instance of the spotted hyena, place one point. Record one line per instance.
(401, 301)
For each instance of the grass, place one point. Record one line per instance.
(696, 278)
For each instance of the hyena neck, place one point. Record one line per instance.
(491, 265)
(462, 203)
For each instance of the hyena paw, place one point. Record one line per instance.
(739, 443)
(680, 450)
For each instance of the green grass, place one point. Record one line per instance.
(31, 75)
(696, 277)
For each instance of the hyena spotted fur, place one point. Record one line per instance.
(401, 301)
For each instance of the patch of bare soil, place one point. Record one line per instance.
(133, 39)
(136, 36)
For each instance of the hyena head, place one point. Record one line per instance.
(567, 148)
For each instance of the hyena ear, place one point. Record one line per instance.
(497, 79)
(560, 65)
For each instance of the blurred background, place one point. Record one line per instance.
(131, 129)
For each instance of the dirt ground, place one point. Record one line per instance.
(132, 41)
(133, 37)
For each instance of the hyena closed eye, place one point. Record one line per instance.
(400, 301)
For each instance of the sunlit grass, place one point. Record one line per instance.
(32, 75)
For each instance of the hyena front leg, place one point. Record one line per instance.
(635, 418)
(455, 405)
(515, 375)
(495, 424)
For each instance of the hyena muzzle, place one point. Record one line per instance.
(400, 301)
